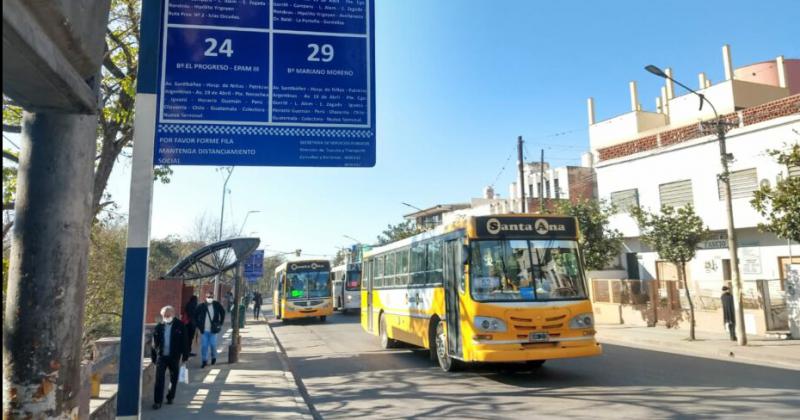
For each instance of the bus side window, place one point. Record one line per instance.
(379, 272)
(417, 264)
(435, 262)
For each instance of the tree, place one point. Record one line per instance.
(674, 234)
(340, 257)
(780, 205)
(271, 262)
(117, 92)
(599, 242)
(105, 281)
(399, 231)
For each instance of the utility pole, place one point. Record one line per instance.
(221, 219)
(521, 174)
(720, 127)
(233, 349)
(54, 76)
(736, 281)
(541, 183)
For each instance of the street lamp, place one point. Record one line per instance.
(413, 207)
(721, 127)
(352, 239)
(245, 219)
(229, 169)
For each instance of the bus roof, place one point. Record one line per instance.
(496, 226)
(284, 266)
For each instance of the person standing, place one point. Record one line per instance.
(168, 351)
(209, 317)
(189, 312)
(229, 300)
(257, 301)
(728, 314)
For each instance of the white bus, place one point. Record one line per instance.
(346, 287)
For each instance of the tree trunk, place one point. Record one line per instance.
(682, 277)
(47, 273)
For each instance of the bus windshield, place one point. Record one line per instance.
(525, 270)
(307, 284)
(353, 280)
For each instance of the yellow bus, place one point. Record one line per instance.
(302, 289)
(501, 288)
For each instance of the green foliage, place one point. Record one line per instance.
(599, 242)
(780, 205)
(399, 231)
(674, 233)
(271, 262)
(9, 183)
(340, 257)
(104, 282)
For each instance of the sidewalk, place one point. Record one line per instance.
(259, 386)
(783, 354)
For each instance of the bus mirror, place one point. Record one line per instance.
(464, 254)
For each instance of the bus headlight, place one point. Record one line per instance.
(582, 321)
(349, 297)
(489, 324)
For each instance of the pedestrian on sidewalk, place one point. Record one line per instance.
(189, 317)
(169, 350)
(728, 313)
(209, 317)
(257, 301)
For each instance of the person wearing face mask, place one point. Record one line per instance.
(209, 317)
(169, 349)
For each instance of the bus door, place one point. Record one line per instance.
(369, 280)
(453, 270)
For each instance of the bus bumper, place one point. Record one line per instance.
(485, 352)
(308, 314)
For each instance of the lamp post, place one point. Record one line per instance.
(721, 128)
(229, 169)
(352, 239)
(245, 219)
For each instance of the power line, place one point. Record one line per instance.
(502, 169)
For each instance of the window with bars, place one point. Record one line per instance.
(626, 199)
(743, 183)
(794, 171)
(676, 194)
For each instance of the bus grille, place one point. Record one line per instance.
(308, 303)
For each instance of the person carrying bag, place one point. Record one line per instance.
(209, 318)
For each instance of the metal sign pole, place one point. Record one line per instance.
(136, 256)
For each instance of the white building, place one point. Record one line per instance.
(660, 158)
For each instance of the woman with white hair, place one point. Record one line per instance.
(170, 348)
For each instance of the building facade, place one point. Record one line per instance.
(652, 159)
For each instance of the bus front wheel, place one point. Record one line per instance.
(386, 342)
(447, 363)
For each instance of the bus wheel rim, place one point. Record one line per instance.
(441, 340)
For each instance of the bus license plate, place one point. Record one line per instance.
(539, 337)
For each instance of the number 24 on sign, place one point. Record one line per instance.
(324, 52)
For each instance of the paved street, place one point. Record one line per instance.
(347, 375)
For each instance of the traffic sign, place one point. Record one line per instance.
(254, 265)
(266, 83)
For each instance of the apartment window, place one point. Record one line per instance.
(743, 183)
(556, 188)
(676, 194)
(626, 199)
(794, 171)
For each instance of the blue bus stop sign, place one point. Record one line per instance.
(254, 266)
(266, 83)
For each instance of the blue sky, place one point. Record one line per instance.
(457, 82)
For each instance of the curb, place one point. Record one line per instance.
(717, 354)
(302, 398)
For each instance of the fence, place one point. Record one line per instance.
(99, 378)
(622, 291)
